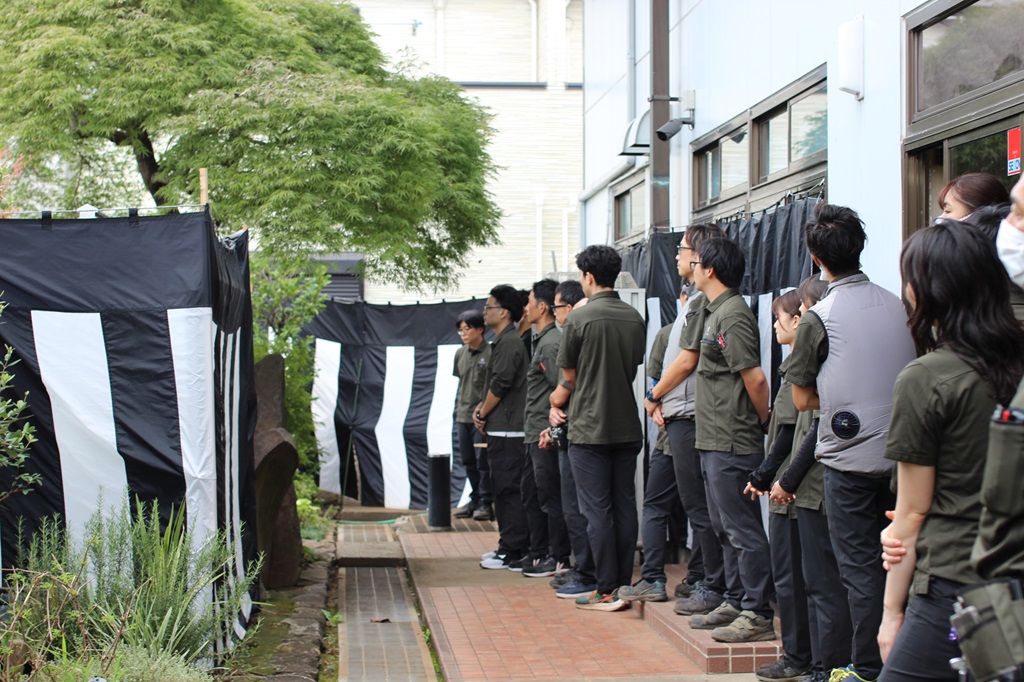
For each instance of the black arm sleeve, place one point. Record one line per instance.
(802, 462)
(762, 477)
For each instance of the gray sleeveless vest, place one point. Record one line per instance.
(678, 402)
(868, 345)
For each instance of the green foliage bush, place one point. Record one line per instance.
(130, 583)
(286, 295)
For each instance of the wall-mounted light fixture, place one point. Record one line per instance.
(851, 57)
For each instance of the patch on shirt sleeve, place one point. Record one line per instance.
(720, 340)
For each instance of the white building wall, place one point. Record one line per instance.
(734, 55)
(537, 142)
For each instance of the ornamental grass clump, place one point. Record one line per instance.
(133, 581)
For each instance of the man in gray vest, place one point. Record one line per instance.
(672, 400)
(602, 346)
(848, 350)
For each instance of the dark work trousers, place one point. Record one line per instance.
(831, 631)
(479, 479)
(661, 497)
(787, 568)
(740, 518)
(549, 492)
(606, 489)
(575, 522)
(690, 481)
(923, 646)
(856, 507)
(536, 519)
(506, 456)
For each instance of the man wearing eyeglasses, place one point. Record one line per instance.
(471, 370)
(500, 417)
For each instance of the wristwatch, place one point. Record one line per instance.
(650, 396)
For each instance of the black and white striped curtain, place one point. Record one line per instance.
(133, 339)
(384, 398)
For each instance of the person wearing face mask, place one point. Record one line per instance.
(965, 194)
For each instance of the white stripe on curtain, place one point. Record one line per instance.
(73, 367)
(390, 428)
(653, 321)
(325, 402)
(442, 404)
(192, 340)
(235, 390)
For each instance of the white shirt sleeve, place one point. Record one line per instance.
(1010, 244)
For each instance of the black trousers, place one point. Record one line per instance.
(831, 631)
(475, 461)
(661, 500)
(507, 455)
(739, 519)
(549, 494)
(536, 519)
(693, 493)
(606, 489)
(787, 568)
(923, 646)
(856, 508)
(575, 522)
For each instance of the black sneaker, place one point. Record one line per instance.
(781, 671)
(519, 564)
(543, 568)
(484, 512)
(685, 589)
(465, 512)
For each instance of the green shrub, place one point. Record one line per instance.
(130, 582)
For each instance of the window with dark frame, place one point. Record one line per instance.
(630, 211)
(965, 97)
(777, 146)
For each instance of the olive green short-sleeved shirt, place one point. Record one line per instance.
(810, 494)
(810, 347)
(506, 378)
(999, 549)
(604, 341)
(940, 417)
(696, 313)
(541, 379)
(471, 369)
(727, 420)
(784, 413)
(655, 366)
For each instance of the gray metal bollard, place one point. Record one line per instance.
(439, 510)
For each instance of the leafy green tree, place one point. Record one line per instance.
(310, 141)
(287, 293)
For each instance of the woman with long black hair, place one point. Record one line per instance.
(970, 345)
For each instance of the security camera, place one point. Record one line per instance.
(671, 128)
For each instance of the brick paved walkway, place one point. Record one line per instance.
(498, 625)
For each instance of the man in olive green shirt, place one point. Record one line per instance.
(500, 417)
(471, 369)
(602, 346)
(549, 539)
(731, 415)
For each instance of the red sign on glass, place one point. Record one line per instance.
(1013, 151)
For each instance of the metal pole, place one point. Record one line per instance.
(660, 112)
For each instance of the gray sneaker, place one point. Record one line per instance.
(746, 627)
(644, 591)
(720, 617)
(702, 600)
(782, 671)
